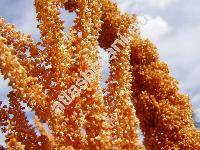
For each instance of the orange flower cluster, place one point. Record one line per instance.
(139, 85)
(165, 114)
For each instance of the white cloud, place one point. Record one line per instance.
(28, 24)
(126, 5)
(105, 66)
(154, 28)
(196, 103)
(137, 6)
(159, 3)
(2, 139)
(196, 114)
(4, 88)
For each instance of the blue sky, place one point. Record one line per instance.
(173, 25)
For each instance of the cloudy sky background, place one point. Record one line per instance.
(173, 25)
